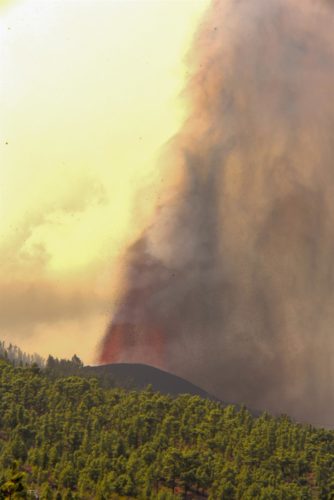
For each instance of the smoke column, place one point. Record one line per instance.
(232, 284)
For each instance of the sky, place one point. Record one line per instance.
(90, 94)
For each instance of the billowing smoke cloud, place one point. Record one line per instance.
(41, 309)
(232, 285)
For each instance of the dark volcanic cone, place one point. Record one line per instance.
(232, 286)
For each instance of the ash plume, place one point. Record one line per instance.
(232, 285)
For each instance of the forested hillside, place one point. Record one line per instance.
(73, 439)
(17, 357)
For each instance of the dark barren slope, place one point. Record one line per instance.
(139, 376)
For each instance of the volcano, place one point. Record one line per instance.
(231, 285)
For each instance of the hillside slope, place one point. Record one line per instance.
(139, 376)
(73, 440)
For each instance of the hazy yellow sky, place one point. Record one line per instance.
(88, 94)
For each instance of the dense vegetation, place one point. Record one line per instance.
(71, 438)
(17, 357)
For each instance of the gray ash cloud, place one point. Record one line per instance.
(232, 285)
